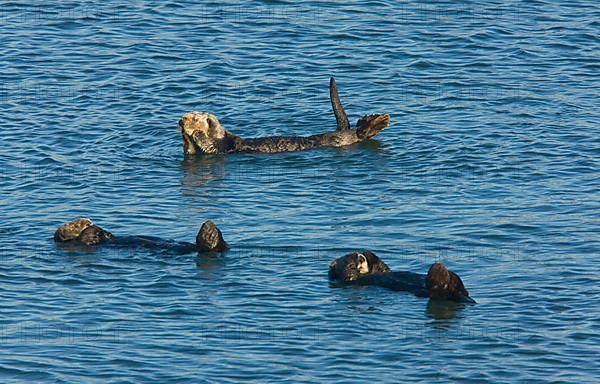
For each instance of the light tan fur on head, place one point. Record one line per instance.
(71, 230)
(201, 132)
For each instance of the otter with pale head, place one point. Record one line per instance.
(85, 232)
(203, 134)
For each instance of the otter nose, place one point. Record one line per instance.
(180, 123)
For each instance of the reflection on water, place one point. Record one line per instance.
(80, 255)
(443, 310)
(74, 248)
(374, 146)
(211, 262)
(199, 170)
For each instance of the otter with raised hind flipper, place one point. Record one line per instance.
(202, 133)
(365, 268)
(85, 232)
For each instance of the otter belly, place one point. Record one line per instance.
(396, 281)
(151, 242)
(297, 143)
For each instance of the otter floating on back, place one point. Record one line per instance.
(202, 133)
(84, 232)
(365, 268)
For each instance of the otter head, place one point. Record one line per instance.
(202, 133)
(370, 125)
(71, 230)
(443, 284)
(210, 238)
(356, 264)
(93, 235)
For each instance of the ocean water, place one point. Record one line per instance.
(490, 165)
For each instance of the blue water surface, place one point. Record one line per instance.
(490, 165)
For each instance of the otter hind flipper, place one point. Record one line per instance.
(210, 238)
(340, 115)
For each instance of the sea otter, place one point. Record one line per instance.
(202, 133)
(365, 268)
(85, 232)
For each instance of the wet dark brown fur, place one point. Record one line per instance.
(443, 284)
(202, 133)
(93, 235)
(368, 269)
(85, 232)
(210, 238)
(348, 268)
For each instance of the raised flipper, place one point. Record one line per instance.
(340, 115)
(370, 125)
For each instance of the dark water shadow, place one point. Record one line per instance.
(210, 261)
(200, 170)
(74, 248)
(443, 311)
(373, 145)
(78, 253)
(132, 248)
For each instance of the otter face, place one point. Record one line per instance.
(93, 235)
(202, 133)
(446, 285)
(354, 265)
(210, 238)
